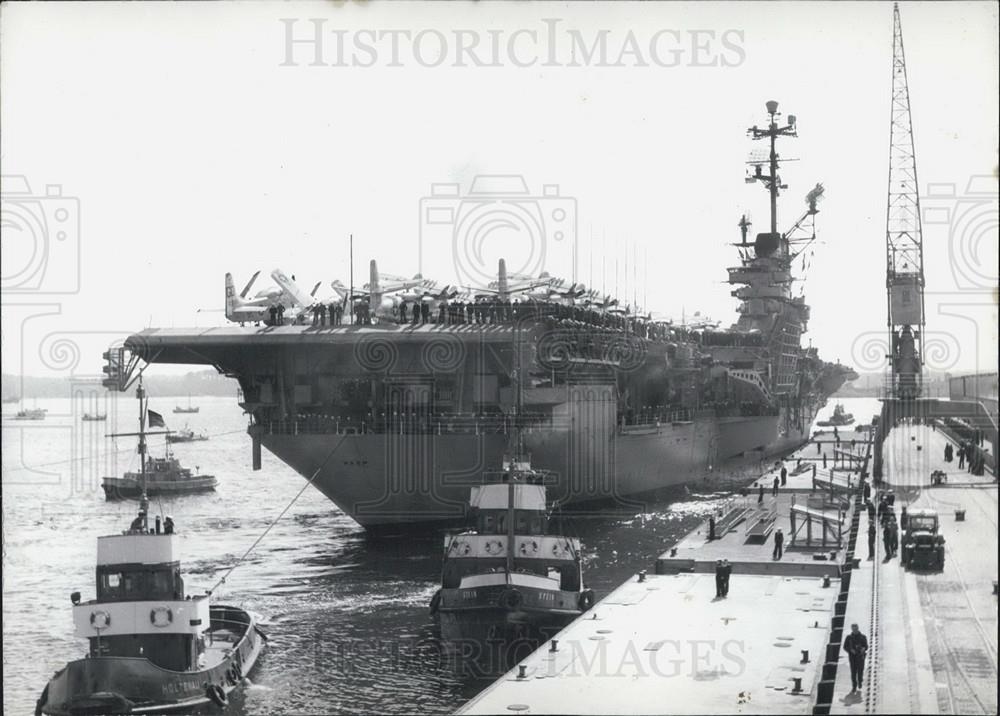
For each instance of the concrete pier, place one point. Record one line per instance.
(665, 643)
(932, 635)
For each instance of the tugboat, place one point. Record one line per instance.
(839, 417)
(157, 475)
(152, 649)
(163, 475)
(185, 435)
(189, 409)
(508, 574)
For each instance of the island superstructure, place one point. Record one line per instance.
(394, 419)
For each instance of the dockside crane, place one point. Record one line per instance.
(904, 282)
(904, 278)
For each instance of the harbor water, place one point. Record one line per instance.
(347, 616)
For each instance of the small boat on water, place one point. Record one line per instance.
(157, 475)
(840, 417)
(509, 577)
(31, 414)
(185, 435)
(152, 648)
(163, 475)
(189, 409)
(97, 417)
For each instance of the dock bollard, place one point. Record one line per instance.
(554, 646)
(522, 671)
(805, 656)
(797, 689)
(826, 581)
(642, 575)
(959, 515)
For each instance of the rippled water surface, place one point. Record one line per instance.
(347, 616)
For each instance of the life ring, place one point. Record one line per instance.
(435, 602)
(493, 546)
(100, 616)
(529, 547)
(217, 695)
(586, 599)
(511, 599)
(161, 616)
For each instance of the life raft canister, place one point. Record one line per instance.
(586, 599)
(217, 695)
(511, 599)
(435, 602)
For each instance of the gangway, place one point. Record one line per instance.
(828, 525)
(761, 521)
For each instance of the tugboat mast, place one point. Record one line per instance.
(143, 498)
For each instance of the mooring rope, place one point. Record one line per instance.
(276, 519)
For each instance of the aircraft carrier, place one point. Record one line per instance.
(394, 419)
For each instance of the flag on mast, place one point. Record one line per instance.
(155, 419)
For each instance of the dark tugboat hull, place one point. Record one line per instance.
(117, 488)
(129, 685)
(484, 614)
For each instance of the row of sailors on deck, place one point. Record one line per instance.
(493, 311)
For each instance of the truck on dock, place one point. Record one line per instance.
(923, 546)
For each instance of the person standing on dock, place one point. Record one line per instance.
(779, 543)
(887, 540)
(784, 475)
(718, 579)
(711, 527)
(856, 646)
(872, 533)
(760, 495)
(777, 481)
(727, 572)
(961, 456)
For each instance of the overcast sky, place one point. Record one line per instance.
(193, 139)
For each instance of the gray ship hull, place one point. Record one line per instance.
(386, 480)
